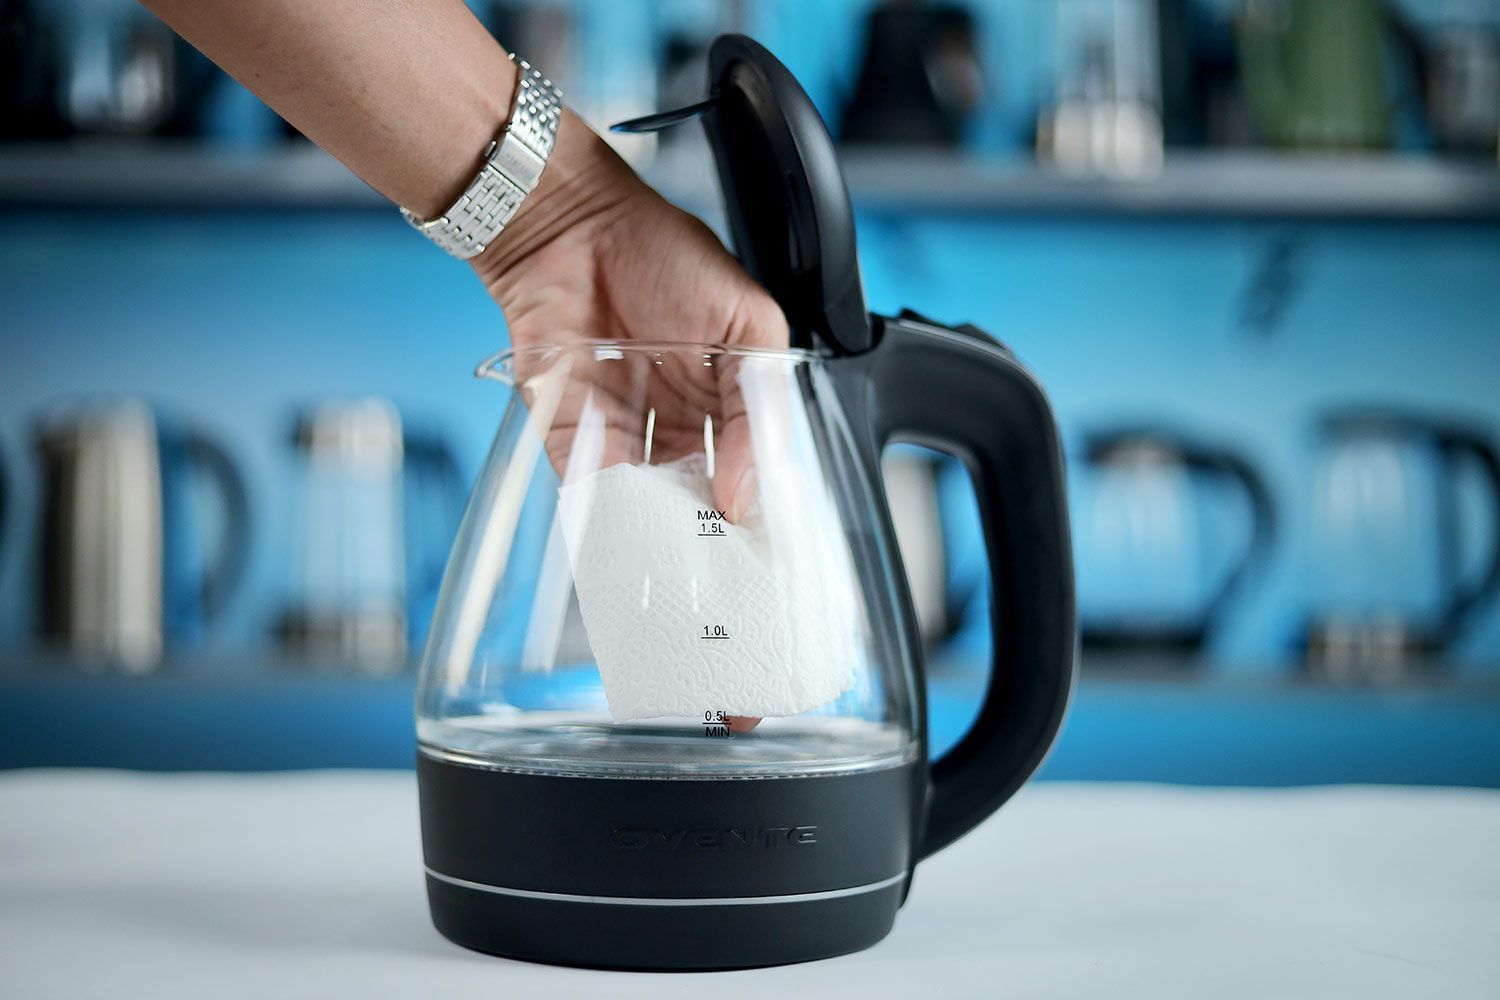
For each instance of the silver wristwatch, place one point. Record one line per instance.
(512, 165)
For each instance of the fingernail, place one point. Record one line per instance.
(744, 495)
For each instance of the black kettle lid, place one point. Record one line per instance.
(787, 205)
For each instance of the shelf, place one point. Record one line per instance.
(166, 176)
(1238, 184)
(1233, 184)
(203, 716)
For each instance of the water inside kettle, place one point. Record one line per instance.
(571, 742)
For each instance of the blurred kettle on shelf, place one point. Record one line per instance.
(378, 505)
(1315, 73)
(119, 73)
(104, 68)
(1462, 63)
(125, 571)
(1403, 553)
(1168, 529)
(1105, 114)
(29, 73)
(919, 79)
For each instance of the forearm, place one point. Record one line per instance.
(410, 93)
(406, 93)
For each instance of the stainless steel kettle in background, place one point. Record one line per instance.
(123, 569)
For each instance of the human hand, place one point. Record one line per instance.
(596, 254)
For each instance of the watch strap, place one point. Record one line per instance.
(513, 164)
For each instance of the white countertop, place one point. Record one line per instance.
(309, 885)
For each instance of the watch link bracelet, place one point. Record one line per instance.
(512, 165)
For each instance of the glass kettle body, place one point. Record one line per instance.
(667, 724)
(612, 612)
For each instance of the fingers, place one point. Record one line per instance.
(734, 477)
(756, 322)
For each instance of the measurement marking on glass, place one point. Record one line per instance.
(711, 523)
(715, 725)
(714, 632)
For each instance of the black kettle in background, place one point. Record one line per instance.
(377, 505)
(1405, 542)
(127, 567)
(29, 72)
(1160, 556)
(919, 79)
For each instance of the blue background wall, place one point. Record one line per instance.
(231, 321)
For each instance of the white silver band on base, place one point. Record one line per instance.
(565, 897)
(513, 164)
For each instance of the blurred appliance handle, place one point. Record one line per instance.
(1465, 601)
(1226, 464)
(224, 577)
(1219, 463)
(430, 455)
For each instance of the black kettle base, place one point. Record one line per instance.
(666, 874)
(657, 938)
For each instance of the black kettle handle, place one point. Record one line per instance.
(224, 577)
(1467, 600)
(961, 392)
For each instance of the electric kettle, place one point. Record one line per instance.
(126, 564)
(1168, 529)
(1405, 540)
(733, 770)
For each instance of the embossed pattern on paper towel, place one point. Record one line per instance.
(649, 583)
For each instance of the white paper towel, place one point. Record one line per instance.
(757, 621)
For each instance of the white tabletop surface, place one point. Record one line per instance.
(115, 884)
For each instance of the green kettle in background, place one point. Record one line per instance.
(1315, 72)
